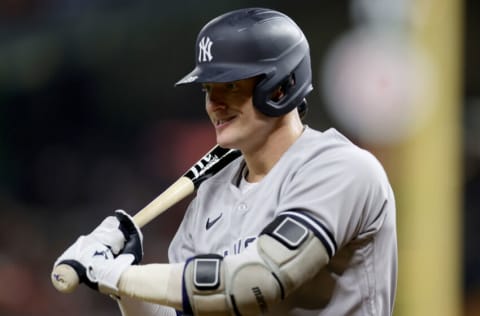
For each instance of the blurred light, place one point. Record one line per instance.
(373, 82)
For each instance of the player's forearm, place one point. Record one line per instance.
(156, 283)
(134, 307)
(287, 254)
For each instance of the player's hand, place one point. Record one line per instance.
(100, 257)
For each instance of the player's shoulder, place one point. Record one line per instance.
(325, 140)
(332, 148)
(323, 144)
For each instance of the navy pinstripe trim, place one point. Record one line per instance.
(319, 230)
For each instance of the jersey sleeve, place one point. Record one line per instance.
(343, 194)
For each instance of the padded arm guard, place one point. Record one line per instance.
(287, 254)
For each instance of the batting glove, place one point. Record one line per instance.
(100, 257)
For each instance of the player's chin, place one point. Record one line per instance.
(226, 141)
(225, 144)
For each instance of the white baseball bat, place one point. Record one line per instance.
(64, 277)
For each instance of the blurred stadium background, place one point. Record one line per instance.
(90, 122)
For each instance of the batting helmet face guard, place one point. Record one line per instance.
(255, 42)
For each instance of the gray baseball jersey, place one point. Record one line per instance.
(339, 186)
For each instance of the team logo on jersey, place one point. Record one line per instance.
(205, 49)
(212, 222)
(239, 246)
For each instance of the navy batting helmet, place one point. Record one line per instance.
(256, 42)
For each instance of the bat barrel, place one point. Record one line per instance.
(172, 195)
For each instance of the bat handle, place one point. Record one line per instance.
(64, 278)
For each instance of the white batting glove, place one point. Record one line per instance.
(100, 257)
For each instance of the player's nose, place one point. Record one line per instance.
(216, 100)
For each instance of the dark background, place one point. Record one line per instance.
(90, 122)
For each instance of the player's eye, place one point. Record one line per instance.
(227, 87)
(232, 85)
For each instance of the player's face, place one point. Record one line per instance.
(230, 108)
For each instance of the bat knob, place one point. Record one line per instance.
(64, 278)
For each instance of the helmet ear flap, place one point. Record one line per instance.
(265, 101)
(295, 86)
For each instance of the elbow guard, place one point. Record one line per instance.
(288, 253)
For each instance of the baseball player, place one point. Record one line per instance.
(302, 223)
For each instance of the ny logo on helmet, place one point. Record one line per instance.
(205, 47)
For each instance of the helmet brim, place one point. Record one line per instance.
(221, 73)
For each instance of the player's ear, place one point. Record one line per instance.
(277, 95)
(282, 89)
